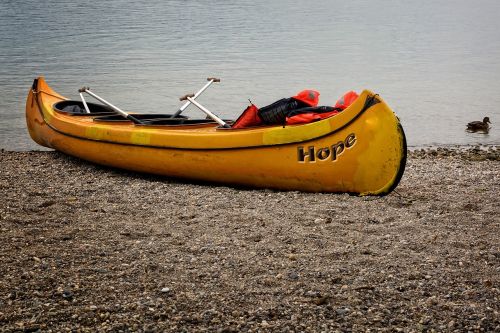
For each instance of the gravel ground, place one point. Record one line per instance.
(88, 248)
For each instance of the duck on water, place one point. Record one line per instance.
(479, 126)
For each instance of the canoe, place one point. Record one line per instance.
(361, 150)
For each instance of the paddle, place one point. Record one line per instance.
(120, 111)
(190, 97)
(194, 96)
(84, 103)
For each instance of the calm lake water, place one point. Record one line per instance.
(436, 62)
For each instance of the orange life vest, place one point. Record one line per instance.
(248, 118)
(346, 100)
(306, 111)
(309, 115)
(310, 97)
(304, 116)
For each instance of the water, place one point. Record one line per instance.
(436, 62)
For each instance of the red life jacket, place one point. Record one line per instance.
(248, 118)
(346, 100)
(309, 115)
(301, 115)
(310, 97)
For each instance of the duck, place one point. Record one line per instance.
(479, 126)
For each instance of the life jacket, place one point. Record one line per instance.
(309, 97)
(299, 109)
(277, 112)
(311, 114)
(346, 100)
(248, 118)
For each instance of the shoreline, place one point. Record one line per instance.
(87, 248)
(451, 146)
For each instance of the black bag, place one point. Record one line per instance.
(277, 112)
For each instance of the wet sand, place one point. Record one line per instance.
(89, 248)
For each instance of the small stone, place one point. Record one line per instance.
(47, 203)
(432, 300)
(321, 300)
(255, 238)
(293, 275)
(165, 290)
(425, 321)
(93, 307)
(342, 311)
(311, 293)
(67, 294)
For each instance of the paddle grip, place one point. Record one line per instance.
(213, 78)
(185, 97)
(83, 89)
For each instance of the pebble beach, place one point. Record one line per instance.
(86, 248)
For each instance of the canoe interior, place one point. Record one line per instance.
(103, 113)
(155, 119)
(76, 108)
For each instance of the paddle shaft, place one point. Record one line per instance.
(210, 114)
(84, 103)
(120, 111)
(182, 108)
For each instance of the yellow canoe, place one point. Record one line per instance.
(362, 150)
